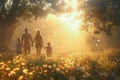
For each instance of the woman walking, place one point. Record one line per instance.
(38, 43)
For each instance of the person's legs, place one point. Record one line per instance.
(25, 54)
(48, 54)
(39, 51)
(36, 49)
(28, 51)
(25, 51)
(17, 53)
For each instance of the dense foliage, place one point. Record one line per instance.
(104, 14)
(13, 9)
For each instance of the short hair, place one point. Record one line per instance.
(26, 29)
(48, 43)
(18, 39)
(38, 32)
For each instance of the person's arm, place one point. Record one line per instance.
(31, 40)
(44, 47)
(22, 40)
(21, 45)
(42, 41)
(51, 50)
(34, 39)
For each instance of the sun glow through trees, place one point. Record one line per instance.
(72, 19)
(62, 29)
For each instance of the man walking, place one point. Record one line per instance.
(27, 41)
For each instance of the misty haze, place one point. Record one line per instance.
(59, 40)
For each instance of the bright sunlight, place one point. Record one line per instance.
(59, 40)
(70, 19)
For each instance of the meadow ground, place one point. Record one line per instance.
(71, 66)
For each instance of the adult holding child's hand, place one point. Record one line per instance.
(26, 41)
(38, 42)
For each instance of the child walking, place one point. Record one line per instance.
(48, 49)
(18, 47)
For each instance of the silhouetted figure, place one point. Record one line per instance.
(38, 42)
(48, 49)
(18, 47)
(27, 41)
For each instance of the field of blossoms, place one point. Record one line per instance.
(72, 66)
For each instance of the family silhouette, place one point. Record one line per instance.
(27, 41)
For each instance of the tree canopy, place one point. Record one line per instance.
(103, 14)
(10, 10)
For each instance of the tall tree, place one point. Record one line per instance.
(11, 10)
(104, 15)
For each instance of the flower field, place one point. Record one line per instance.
(74, 66)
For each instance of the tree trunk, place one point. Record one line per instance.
(5, 37)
